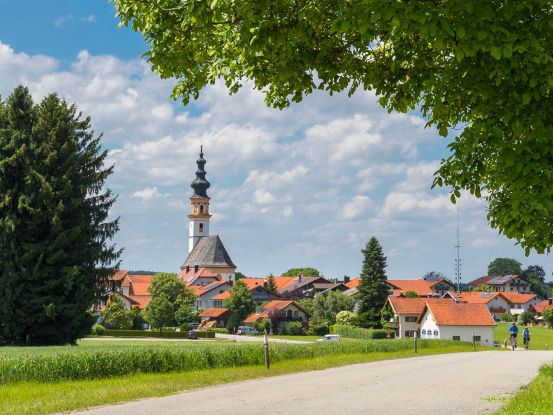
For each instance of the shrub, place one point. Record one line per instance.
(295, 328)
(200, 334)
(548, 317)
(233, 322)
(144, 333)
(345, 317)
(526, 318)
(506, 317)
(359, 332)
(97, 330)
(217, 330)
(185, 327)
(262, 325)
(318, 330)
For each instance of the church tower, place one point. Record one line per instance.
(199, 205)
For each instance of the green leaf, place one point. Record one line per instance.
(496, 53)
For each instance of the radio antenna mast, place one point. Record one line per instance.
(458, 259)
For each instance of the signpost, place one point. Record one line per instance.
(415, 337)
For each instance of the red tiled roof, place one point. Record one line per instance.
(142, 300)
(459, 314)
(481, 280)
(420, 286)
(271, 306)
(282, 282)
(214, 312)
(353, 283)
(252, 318)
(542, 306)
(222, 296)
(119, 275)
(199, 290)
(480, 297)
(517, 298)
(190, 276)
(253, 282)
(404, 305)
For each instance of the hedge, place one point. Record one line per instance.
(144, 333)
(359, 332)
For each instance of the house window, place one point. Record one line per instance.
(409, 333)
(477, 338)
(217, 303)
(424, 332)
(296, 313)
(435, 333)
(458, 338)
(410, 319)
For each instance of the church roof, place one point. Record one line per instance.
(209, 251)
(200, 183)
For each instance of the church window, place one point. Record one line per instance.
(201, 227)
(201, 208)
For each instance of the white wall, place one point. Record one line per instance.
(206, 300)
(194, 232)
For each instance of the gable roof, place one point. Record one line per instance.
(542, 306)
(480, 297)
(458, 314)
(209, 251)
(199, 290)
(192, 275)
(517, 298)
(494, 280)
(214, 312)
(419, 286)
(271, 307)
(405, 305)
(353, 283)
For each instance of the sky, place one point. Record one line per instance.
(305, 186)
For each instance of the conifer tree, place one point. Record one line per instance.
(55, 251)
(271, 285)
(373, 288)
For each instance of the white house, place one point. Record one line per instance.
(406, 312)
(457, 321)
(521, 302)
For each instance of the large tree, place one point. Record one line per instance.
(536, 271)
(241, 301)
(116, 315)
(505, 266)
(305, 271)
(483, 68)
(327, 305)
(172, 288)
(373, 287)
(55, 251)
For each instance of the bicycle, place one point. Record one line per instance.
(513, 341)
(526, 343)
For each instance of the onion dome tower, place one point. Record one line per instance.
(199, 205)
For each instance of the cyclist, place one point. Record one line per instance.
(513, 331)
(526, 337)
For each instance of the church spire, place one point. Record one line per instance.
(200, 184)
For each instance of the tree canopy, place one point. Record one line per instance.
(306, 272)
(505, 266)
(170, 287)
(241, 301)
(482, 68)
(327, 305)
(55, 233)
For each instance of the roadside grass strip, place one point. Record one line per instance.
(39, 398)
(535, 399)
(86, 363)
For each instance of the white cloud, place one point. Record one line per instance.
(313, 181)
(91, 18)
(62, 20)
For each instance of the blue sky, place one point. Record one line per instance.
(307, 186)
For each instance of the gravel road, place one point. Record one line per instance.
(441, 384)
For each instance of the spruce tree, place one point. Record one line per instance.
(373, 288)
(271, 285)
(55, 251)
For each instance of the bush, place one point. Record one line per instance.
(45, 366)
(526, 318)
(506, 317)
(185, 327)
(233, 322)
(217, 330)
(144, 333)
(97, 330)
(262, 325)
(345, 317)
(548, 317)
(200, 334)
(318, 330)
(359, 333)
(295, 328)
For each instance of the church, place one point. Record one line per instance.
(207, 259)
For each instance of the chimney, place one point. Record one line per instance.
(346, 279)
(188, 268)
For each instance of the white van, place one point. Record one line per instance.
(330, 338)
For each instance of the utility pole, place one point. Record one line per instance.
(458, 259)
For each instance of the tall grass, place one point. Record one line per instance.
(48, 367)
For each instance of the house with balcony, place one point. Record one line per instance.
(280, 312)
(497, 302)
(504, 283)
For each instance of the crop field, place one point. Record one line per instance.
(97, 360)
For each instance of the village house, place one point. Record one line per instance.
(206, 295)
(521, 302)
(214, 317)
(540, 307)
(280, 312)
(504, 283)
(457, 321)
(300, 286)
(496, 302)
(258, 288)
(406, 312)
(135, 287)
(421, 287)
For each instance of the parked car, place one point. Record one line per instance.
(247, 330)
(330, 338)
(192, 334)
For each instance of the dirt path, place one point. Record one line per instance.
(442, 384)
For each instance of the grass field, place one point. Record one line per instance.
(541, 338)
(36, 398)
(536, 399)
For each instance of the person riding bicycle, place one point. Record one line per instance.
(513, 331)
(526, 337)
